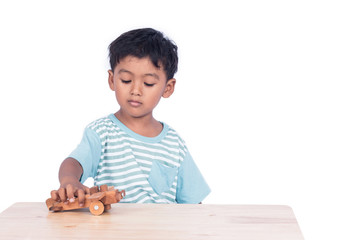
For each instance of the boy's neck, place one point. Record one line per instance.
(146, 126)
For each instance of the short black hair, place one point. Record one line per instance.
(145, 42)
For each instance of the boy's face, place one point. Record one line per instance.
(139, 86)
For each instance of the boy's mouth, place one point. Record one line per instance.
(134, 103)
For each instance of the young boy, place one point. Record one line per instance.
(130, 149)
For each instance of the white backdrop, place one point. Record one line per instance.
(267, 97)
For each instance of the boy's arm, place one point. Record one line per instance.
(70, 186)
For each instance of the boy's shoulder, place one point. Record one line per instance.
(100, 123)
(174, 134)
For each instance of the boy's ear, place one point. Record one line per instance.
(169, 88)
(111, 80)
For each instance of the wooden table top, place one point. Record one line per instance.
(152, 221)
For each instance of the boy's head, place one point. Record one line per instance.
(145, 42)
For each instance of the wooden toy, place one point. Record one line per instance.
(97, 201)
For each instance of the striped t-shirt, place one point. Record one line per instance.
(150, 170)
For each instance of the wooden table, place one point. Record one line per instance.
(151, 221)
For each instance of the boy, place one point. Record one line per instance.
(130, 149)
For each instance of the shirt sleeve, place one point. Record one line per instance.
(88, 154)
(191, 186)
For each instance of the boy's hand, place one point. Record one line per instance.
(70, 188)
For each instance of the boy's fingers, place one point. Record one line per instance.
(54, 195)
(70, 191)
(81, 197)
(62, 194)
(87, 190)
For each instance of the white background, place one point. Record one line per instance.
(267, 97)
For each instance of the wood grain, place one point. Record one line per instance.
(152, 221)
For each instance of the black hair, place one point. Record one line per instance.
(145, 42)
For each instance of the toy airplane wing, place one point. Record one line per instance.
(96, 196)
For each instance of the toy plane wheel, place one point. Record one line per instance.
(96, 208)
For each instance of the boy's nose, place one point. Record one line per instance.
(136, 89)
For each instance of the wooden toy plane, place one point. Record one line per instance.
(97, 201)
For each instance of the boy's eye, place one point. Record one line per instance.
(125, 81)
(149, 84)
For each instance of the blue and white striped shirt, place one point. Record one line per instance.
(150, 170)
